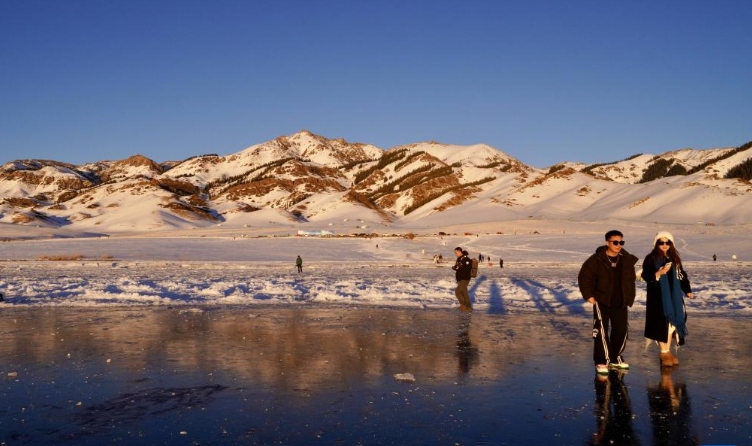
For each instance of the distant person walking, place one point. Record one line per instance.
(607, 281)
(501, 263)
(462, 267)
(715, 257)
(299, 264)
(667, 283)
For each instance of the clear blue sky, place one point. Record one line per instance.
(544, 81)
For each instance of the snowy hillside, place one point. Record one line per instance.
(311, 182)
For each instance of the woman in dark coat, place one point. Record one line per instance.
(665, 316)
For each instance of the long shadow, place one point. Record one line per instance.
(534, 290)
(476, 284)
(533, 287)
(495, 304)
(566, 329)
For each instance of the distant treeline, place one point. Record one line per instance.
(663, 168)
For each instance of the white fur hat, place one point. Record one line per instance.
(663, 234)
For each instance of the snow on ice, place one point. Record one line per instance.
(539, 274)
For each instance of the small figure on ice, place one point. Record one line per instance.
(462, 267)
(299, 264)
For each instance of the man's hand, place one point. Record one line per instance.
(592, 300)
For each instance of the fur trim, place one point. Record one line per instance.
(664, 234)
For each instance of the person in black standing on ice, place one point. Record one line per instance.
(607, 281)
(299, 264)
(462, 268)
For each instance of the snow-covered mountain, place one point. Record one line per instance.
(308, 180)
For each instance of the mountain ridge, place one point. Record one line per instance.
(306, 178)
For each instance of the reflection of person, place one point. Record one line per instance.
(462, 267)
(670, 412)
(607, 281)
(613, 412)
(467, 355)
(299, 264)
(667, 282)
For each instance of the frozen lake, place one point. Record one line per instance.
(217, 340)
(328, 375)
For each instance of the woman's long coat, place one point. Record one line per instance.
(656, 324)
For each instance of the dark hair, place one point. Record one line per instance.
(458, 249)
(612, 233)
(672, 253)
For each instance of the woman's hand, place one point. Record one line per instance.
(662, 270)
(690, 295)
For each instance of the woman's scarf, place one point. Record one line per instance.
(672, 297)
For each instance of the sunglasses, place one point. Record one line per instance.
(617, 242)
(661, 243)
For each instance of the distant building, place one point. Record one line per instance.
(320, 233)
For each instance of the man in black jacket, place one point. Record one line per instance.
(607, 280)
(462, 268)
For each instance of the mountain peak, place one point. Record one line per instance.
(139, 161)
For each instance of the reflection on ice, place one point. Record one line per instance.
(296, 374)
(671, 412)
(613, 412)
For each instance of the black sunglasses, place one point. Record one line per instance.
(661, 243)
(617, 242)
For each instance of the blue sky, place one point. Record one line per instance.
(544, 81)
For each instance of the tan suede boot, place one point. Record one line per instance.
(667, 359)
(674, 358)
